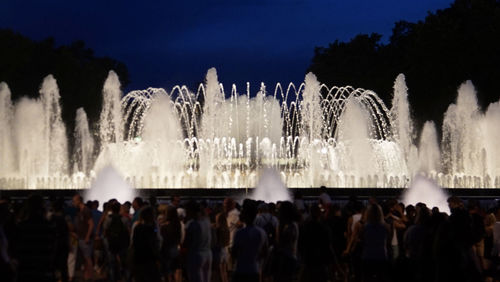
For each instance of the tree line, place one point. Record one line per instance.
(436, 54)
(79, 73)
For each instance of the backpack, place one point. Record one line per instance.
(117, 235)
(270, 231)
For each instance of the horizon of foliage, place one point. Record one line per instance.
(436, 55)
(79, 73)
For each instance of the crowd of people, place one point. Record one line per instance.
(313, 240)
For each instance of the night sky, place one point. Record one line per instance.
(164, 43)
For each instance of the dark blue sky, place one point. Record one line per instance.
(164, 43)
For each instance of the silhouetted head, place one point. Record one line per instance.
(115, 207)
(77, 200)
(175, 201)
(95, 205)
(423, 216)
(263, 208)
(374, 214)
(172, 214)
(137, 203)
(146, 215)
(455, 203)
(248, 212)
(193, 210)
(287, 213)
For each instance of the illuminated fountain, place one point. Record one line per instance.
(218, 138)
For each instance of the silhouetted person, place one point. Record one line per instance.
(220, 248)
(175, 201)
(315, 247)
(453, 246)
(137, 204)
(233, 218)
(145, 248)
(171, 232)
(35, 244)
(249, 246)
(84, 225)
(417, 243)
(285, 265)
(198, 244)
(268, 222)
(61, 233)
(116, 231)
(7, 265)
(374, 253)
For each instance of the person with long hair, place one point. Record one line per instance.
(374, 254)
(220, 249)
(171, 232)
(284, 262)
(145, 247)
(197, 244)
(249, 246)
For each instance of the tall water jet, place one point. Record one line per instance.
(311, 129)
(162, 133)
(6, 113)
(491, 131)
(109, 184)
(424, 190)
(264, 125)
(461, 147)
(270, 188)
(211, 127)
(312, 134)
(40, 145)
(212, 116)
(401, 124)
(84, 143)
(31, 148)
(429, 155)
(353, 137)
(310, 109)
(55, 130)
(111, 125)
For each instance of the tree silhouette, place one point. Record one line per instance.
(79, 74)
(436, 55)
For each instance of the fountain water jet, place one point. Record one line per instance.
(424, 190)
(109, 184)
(84, 143)
(270, 188)
(6, 114)
(312, 134)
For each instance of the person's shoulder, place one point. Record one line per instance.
(262, 233)
(238, 233)
(192, 224)
(259, 229)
